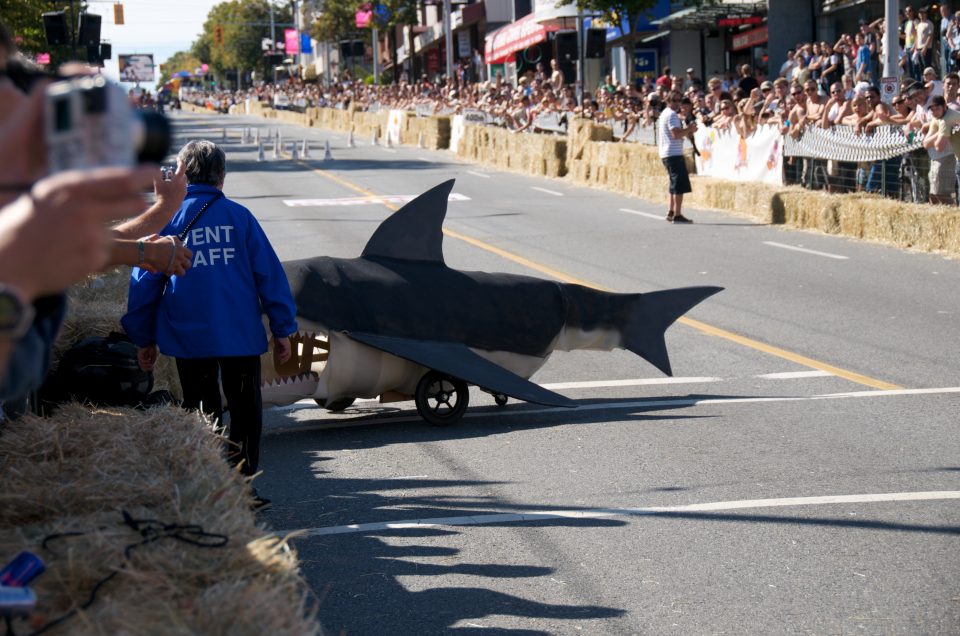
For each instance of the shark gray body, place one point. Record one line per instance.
(400, 299)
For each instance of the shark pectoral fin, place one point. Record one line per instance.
(459, 361)
(653, 313)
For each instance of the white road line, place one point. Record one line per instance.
(478, 174)
(658, 217)
(556, 194)
(598, 513)
(792, 375)
(806, 251)
(604, 406)
(388, 150)
(425, 160)
(559, 386)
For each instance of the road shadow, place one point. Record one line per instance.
(362, 579)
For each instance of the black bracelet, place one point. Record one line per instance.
(15, 187)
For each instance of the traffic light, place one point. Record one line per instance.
(118, 13)
(218, 34)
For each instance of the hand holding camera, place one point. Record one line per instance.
(88, 122)
(171, 188)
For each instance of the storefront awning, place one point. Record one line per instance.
(500, 45)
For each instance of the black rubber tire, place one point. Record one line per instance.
(500, 399)
(338, 405)
(433, 398)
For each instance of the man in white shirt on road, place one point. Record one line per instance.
(670, 134)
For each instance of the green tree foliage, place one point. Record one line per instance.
(615, 11)
(179, 61)
(245, 23)
(24, 20)
(337, 22)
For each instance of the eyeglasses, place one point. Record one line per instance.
(897, 102)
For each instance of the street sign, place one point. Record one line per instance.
(888, 89)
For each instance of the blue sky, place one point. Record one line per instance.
(161, 27)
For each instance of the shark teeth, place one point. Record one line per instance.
(301, 378)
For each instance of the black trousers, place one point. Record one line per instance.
(200, 379)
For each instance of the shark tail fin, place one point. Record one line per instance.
(652, 314)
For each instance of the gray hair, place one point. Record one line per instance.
(204, 162)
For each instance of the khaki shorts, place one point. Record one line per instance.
(943, 176)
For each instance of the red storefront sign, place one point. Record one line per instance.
(750, 38)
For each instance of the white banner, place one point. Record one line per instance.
(395, 123)
(727, 155)
(457, 123)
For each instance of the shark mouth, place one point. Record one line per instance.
(298, 377)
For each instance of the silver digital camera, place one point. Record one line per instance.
(88, 122)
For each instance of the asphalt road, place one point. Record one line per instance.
(799, 474)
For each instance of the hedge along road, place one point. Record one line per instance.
(565, 538)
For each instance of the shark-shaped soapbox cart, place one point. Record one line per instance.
(398, 324)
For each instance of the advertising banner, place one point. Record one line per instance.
(291, 41)
(396, 121)
(727, 155)
(136, 67)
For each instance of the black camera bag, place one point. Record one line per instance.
(104, 371)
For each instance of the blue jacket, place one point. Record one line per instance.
(214, 310)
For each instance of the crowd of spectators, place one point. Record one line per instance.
(821, 84)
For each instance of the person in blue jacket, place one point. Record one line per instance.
(210, 318)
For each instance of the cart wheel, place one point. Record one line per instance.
(338, 405)
(441, 400)
(500, 399)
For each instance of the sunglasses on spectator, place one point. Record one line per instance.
(810, 90)
(897, 102)
(797, 93)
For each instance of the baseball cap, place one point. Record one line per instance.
(690, 70)
(766, 84)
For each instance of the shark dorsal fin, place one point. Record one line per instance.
(415, 231)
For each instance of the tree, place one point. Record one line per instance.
(244, 24)
(24, 20)
(179, 61)
(614, 12)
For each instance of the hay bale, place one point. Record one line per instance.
(76, 471)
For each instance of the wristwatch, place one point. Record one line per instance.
(16, 314)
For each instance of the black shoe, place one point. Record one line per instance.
(679, 218)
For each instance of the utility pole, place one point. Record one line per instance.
(273, 42)
(376, 54)
(891, 52)
(448, 38)
(580, 57)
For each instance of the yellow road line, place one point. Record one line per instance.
(690, 322)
